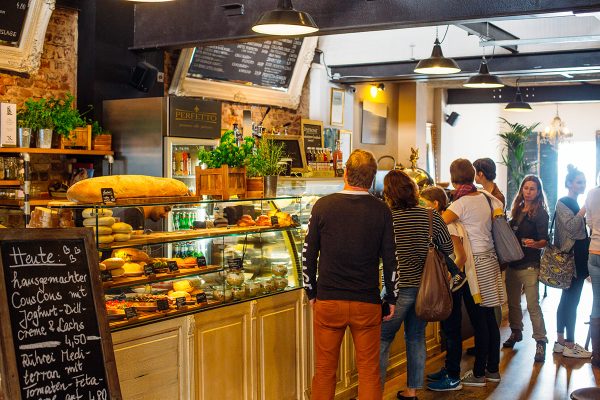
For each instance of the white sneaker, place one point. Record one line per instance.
(558, 348)
(576, 352)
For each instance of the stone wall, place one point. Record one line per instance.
(58, 70)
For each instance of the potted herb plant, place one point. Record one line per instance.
(264, 165)
(224, 174)
(101, 137)
(67, 120)
(37, 115)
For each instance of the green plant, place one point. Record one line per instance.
(35, 114)
(513, 155)
(227, 152)
(265, 159)
(64, 115)
(97, 129)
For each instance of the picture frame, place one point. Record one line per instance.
(336, 116)
(25, 54)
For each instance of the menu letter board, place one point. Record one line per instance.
(12, 19)
(267, 63)
(312, 134)
(54, 333)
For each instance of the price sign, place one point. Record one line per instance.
(296, 219)
(53, 328)
(201, 298)
(180, 302)
(162, 305)
(274, 220)
(235, 263)
(172, 265)
(148, 269)
(201, 261)
(108, 195)
(130, 312)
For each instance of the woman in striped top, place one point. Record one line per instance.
(411, 234)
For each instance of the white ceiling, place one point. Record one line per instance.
(404, 44)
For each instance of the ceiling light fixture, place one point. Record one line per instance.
(483, 79)
(557, 132)
(437, 64)
(285, 20)
(518, 105)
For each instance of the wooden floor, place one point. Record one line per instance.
(522, 378)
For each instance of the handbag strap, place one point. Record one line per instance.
(430, 215)
(490, 204)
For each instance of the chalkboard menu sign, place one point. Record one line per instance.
(54, 333)
(312, 134)
(292, 148)
(12, 19)
(267, 63)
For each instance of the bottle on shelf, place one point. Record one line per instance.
(338, 159)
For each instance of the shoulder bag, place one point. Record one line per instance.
(434, 300)
(556, 267)
(506, 243)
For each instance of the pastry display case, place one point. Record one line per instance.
(214, 253)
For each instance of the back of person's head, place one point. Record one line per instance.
(436, 193)
(487, 167)
(538, 203)
(400, 190)
(572, 174)
(462, 172)
(361, 168)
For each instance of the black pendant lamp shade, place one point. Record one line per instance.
(437, 64)
(483, 79)
(518, 105)
(285, 21)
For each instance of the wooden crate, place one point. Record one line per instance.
(255, 188)
(103, 142)
(79, 138)
(221, 182)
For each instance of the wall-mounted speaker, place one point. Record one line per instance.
(451, 119)
(143, 76)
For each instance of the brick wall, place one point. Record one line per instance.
(233, 112)
(58, 70)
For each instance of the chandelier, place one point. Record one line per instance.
(556, 132)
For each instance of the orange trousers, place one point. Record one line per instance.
(330, 320)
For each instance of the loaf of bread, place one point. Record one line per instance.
(125, 186)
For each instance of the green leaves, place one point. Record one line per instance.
(52, 113)
(228, 152)
(264, 161)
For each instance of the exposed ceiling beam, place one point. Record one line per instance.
(560, 39)
(489, 31)
(539, 94)
(521, 64)
(185, 23)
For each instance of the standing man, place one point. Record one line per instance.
(348, 232)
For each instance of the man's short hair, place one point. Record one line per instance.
(462, 171)
(361, 168)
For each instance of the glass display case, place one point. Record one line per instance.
(215, 253)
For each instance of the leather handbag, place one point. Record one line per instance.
(556, 267)
(434, 299)
(506, 243)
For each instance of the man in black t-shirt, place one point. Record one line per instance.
(348, 232)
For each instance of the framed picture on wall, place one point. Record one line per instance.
(337, 107)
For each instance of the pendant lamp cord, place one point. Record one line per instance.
(444, 38)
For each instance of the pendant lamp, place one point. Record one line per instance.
(437, 64)
(483, 79)
(518, 105)
(285, 21)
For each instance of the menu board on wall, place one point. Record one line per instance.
(55, 337)
(267, 63)
(12, 20)
(312, 134)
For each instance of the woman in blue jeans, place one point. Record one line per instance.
(411, 234)
(592, 213)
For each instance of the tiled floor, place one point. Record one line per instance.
(522, 378)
